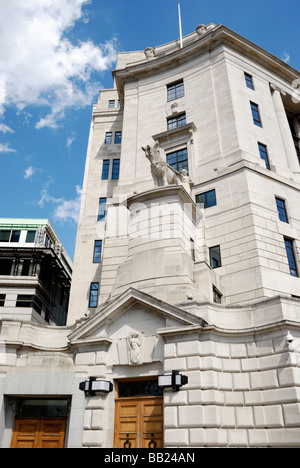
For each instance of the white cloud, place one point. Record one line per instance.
(64, 210)
(70, 141)
(39, 65)
(5, 129)
(286, 57)
(29, 172)
(6, 149)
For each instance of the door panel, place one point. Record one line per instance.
(139, 422)
(38, 433)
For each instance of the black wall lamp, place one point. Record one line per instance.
(174, 380)
(93, 386)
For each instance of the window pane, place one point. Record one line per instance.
(4, 236)
(111, 104)
(178, 121)
(15, 236)
(108, 138)
(178, 160)
(116, 169)
(249, 81)
(2, 300)
(215, 256)
(118, 137)
(102, 209)
(94, 295)
(97, 251)
(281, 210)
(255, 114)
(291, 256)
(175, 90)
(30, 237)
(105, 169)
(264, 154)
(207, 198)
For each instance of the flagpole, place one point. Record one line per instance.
(180, 28)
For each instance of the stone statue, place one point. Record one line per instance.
(164, 173)
(134, 345)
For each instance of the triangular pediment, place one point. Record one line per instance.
(132, 310)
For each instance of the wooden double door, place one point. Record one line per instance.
(39, 433)
(139, 423)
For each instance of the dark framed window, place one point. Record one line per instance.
(94, 292)
(105, 169)
(192, 246)
(263, 151)
(111, 104)
(102, 209)
(255, 114)
(2, 300)
(178, 160)
(217, 296)
(215, 256)
(116, 169)
(108, 138)
(290, 252)
(4, 235)
(175, 90)
(97, 251)
(207, 198)
(249, 81)
(177, 121)
(118, 138)
(281, 208)
(30, 237)
(15, 236)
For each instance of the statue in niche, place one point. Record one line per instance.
(134, 347)
(164, 173)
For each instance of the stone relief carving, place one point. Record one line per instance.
(201, 29)
(165, 174)
(149, 52)
(135, 348)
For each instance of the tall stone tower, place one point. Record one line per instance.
(188, 240)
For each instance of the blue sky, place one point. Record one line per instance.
(56, 58)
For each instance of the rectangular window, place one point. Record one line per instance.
(2, 300)
(175, 90)
(255, 114)
(175, 122)
(263, 151)
(192, 245)
(116, 169)
(30, 237)
(94, 292)
(215, 256)
(15, 236)
(111, 104)
(24, 300)
(4, 236)
(102, 209)
(281, 208)
(249, 81)
(118, 138)
(108, 138)
(6, 265)
(207, 198)
(178, 160)
(105, 169)
(97, 251)
(289, 246)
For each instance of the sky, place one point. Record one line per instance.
(56, 56)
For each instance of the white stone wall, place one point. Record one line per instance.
(241, 393)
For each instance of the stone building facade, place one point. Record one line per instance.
(187, 260)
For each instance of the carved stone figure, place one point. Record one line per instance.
(149, 52)
(201, 29)
(134, 345)
(164, 173)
